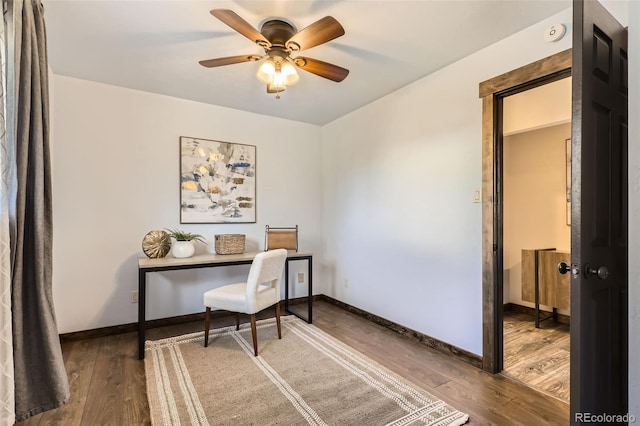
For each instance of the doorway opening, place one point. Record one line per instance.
(493, 92)
(536, 223)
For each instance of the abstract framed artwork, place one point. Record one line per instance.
(217, 181)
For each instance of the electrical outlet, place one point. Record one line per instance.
(300, 277)
(134, 297)
(346, 283)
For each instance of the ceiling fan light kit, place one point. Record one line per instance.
(279, 39)
(277, 73)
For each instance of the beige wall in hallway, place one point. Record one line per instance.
(534, 200)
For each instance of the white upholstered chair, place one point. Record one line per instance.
(261, 291)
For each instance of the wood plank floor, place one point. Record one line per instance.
(539, 357)
(108, 382)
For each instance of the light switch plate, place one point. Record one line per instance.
(477, 196)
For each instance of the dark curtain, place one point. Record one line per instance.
(40, 379)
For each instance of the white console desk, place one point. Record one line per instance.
(146, 265)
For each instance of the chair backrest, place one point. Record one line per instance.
(266, 268)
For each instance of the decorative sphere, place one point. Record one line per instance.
(156, 244)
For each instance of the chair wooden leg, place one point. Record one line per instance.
(237, 321)
(278, 320)
(254, 334)
(207, 316)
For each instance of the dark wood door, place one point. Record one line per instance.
(599, 274)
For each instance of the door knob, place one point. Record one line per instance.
(563, 268)
(602, 272)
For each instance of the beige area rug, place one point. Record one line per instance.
(306, 378)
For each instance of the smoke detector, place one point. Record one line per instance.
(555, 32)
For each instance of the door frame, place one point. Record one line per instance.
(492, 92)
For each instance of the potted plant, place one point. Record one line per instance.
(183, 246)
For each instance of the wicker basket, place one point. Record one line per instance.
(229, 243)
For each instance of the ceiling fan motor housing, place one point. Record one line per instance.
(277, 32)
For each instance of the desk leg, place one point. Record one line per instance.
(286, 285)
(310, 292)
(142, 287)
(310, 297)
(537, 288)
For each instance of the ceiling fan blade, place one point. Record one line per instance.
(234, 20)
(319, 32)
(218, 62)
(323, 69)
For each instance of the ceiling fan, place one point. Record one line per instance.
(279, 40)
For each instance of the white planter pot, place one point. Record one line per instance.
(182, 249)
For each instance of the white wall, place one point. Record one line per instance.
(634, 209)
(115, 177)
(536, 108)
(398, 178)
(535, 207)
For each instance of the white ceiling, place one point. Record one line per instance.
(155, 46)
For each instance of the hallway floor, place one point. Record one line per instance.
(538, 358)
